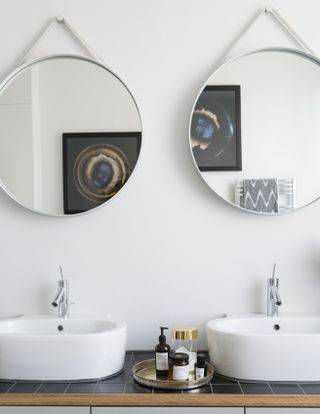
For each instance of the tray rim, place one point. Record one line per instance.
(169, 384)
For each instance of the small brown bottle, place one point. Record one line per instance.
(162, 352)
(200, 368)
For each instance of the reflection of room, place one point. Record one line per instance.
(39, 105)
(280, 124)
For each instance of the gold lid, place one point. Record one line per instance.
(185, 333)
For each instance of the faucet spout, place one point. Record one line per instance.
(58, 297)
(61, 300)
(275, 295)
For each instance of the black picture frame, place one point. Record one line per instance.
(219, 108)
(74, 143)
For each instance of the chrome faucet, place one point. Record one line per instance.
(273, 296)
(61, 300)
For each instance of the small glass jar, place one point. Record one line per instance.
(185, 339)
(179, 362)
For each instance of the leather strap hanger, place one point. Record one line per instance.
(60, 21)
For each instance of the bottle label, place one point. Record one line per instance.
(162, 361)
(180, 373)
(199, 373)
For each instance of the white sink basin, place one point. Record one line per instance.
(250, 347)
(83, 348)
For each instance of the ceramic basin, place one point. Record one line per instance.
(61, 349)
(262, 348)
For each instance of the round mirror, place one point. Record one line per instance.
(255, 131)
(70, 135)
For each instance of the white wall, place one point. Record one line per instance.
(166, 250)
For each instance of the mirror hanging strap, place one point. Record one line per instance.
(269, 10)
(61, 21)
(289, 30)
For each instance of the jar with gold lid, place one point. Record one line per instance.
(185, 340)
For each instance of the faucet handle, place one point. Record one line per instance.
(273, 281)
(270, 281)
(63, 283)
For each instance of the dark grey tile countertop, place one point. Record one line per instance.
(124, 383)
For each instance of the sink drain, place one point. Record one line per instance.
(276, 327)
(60, 328)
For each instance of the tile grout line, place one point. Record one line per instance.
(10, 387)
(270, 388)
(125, 383)
(37, 389)
(95, 387)
(127, 374)
(124, 386)
(301, 389)
(130, 360)
(238, 382)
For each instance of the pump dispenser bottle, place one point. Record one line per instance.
(162, 352)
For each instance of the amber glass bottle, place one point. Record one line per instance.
(162, 352)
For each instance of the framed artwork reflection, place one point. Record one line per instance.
(216, 129)
(96, 166)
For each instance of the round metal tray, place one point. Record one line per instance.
(144, 373)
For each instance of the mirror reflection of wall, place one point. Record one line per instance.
(280, 128)
(50, 98)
